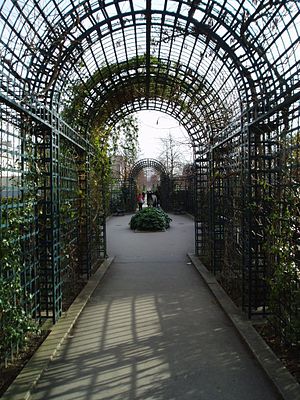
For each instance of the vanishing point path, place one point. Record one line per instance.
(152, 330)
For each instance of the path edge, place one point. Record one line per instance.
(283, 381)
(27, 379)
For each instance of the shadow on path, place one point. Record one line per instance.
(152, 330)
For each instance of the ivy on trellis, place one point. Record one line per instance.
(17, 220)
(279, 214)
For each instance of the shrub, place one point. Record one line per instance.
(150, 219)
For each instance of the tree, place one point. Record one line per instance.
(125, 145)
(172, 156)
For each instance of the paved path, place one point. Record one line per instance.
(152, 330)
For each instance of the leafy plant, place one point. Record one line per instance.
(15, 322)
(150, 219)
(17, 229)
(170, 85)
(277, 211)
(124, 143)
(282, 248)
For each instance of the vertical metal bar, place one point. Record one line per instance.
(212, 214)
(85, 216)
(49, 223)
(247, 227)
(148, 48)
(202, 214)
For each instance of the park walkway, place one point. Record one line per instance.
(152, 330)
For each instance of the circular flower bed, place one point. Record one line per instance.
(150, 219)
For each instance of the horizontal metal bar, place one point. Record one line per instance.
(21, 109)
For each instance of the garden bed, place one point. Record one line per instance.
(289, 355)
(8, 374)
(34, 341)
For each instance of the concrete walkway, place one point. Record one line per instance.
(152, 330)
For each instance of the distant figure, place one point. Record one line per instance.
(157, 199)
(154, 200)
(140, 200)
(149, 199)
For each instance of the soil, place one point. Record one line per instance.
(71, 291)
(7, 375)
(289, 355)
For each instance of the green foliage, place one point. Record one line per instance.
(278, 212)
(17, 220)
(150, 219)
(69, 210)
(106, 142)
(282, 245)
(124, 143)
(169, 85)
(100, 174)
(75, 110)
(14, 321)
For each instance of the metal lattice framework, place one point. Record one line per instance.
(202, 61)
(147, 163)
(164, 181)
(182, 194)
(227, 70)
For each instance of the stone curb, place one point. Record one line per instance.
(285, 384)
(28, 378)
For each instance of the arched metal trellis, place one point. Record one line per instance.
(147, 163)
(164, 181)
(183, 191)
(227, 70)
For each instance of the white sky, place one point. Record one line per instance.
(154, 125)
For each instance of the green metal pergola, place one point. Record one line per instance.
(227, 70)
(164, 179)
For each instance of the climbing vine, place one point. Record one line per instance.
(121, 141)
(70, 197)
(282, 242)
(279, 214)
(17, 222)
(100, 174)
(107, 140)
(174, 74)
(15, 322)
(124, 139)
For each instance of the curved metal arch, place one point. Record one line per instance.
(201, 104)
(201, 29)
(116, 17)
(147, 163)
(194, 120)
(49, 30)
(246, 74)
(70, 51)
(186, 77)
(184, 119)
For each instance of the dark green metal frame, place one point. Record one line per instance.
(227, 70)
(164, 186)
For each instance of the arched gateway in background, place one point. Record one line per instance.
(163, 186)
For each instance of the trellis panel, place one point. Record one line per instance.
(49, 222)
